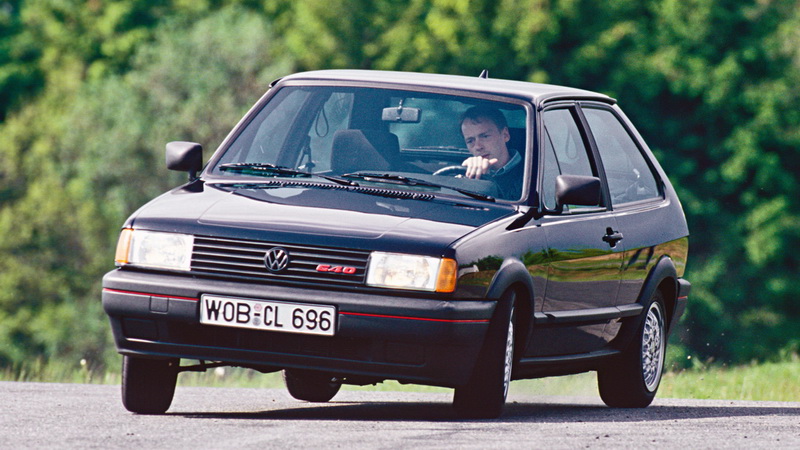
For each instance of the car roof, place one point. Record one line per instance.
(537, 93)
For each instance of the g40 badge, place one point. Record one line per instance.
(336, 269)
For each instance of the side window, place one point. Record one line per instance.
(629, 176)
(565, 152)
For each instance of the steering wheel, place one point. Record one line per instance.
(451, 171)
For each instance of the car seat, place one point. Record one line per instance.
(358, 150)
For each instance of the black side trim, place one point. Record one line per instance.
(561, 365)
(548, 360)
(596, 315)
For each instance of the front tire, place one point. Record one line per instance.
(148, 385)
(484, 396)
(310, 386)
(631, 381)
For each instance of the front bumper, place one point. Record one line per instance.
(411, 339)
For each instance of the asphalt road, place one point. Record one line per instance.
(37, 415)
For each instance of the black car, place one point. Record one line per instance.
(361, 226)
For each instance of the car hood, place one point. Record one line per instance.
(323, 215)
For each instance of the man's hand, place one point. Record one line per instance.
(477, 166)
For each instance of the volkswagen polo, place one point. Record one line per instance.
(363, 226)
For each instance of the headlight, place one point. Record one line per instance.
(156, 250)
(400, 271)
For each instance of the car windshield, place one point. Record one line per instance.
(343, 133)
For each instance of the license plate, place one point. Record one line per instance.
(269, 315)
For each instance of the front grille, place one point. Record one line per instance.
(238, 259)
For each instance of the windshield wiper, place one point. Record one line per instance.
(272, 169)
(408, 181)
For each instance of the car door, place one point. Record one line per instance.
(636, 195)
(584, 261)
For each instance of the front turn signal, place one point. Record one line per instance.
(446, 281)
(123, 246)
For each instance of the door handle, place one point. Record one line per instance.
(612, 237)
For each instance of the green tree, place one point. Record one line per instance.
(18, 72)
(91, 90)
(76, 164)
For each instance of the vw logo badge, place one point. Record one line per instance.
(276, 259)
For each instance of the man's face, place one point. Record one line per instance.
(486, 140)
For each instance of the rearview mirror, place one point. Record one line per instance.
(401, 114)
(577, 190)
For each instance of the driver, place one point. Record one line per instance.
(485, 131)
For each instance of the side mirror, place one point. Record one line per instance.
(577, 190)
(185, 157)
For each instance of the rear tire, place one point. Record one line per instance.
(148, 385)
(310, 385)
(484, 396)
(631, 380)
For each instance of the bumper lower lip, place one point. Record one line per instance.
(414, 339)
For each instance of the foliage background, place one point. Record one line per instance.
(91, 90)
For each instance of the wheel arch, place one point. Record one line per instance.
(662, 278)
(513, 276)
